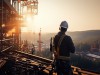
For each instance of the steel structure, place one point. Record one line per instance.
(12, 60)
(11, 18)
(39, 41)
(8, 21)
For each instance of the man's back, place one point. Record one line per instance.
(66, 46)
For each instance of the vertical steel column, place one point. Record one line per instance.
(20, 26)
(1, 30)
(40, 40)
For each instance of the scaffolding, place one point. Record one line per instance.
(11, 12)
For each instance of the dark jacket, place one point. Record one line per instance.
(66, 46)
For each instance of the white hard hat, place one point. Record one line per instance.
(64, 24)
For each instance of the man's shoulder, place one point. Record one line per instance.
(56, 35)
(67, 37)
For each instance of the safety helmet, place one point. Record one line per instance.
(64, 24)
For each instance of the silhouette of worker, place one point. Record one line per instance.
(62, 47)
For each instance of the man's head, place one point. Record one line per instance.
(63, 26)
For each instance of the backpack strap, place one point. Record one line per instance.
(58, 46)
(60, 40)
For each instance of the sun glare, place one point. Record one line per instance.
(24, 29)
(29, 19)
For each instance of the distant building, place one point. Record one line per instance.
(95, 48)
(93, 56)
(99, 47)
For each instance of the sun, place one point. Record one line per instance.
(28, 23)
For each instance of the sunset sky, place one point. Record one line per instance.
(80, 14)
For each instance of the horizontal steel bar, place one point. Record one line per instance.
(7, 39)
(48, 61)
(6, 49)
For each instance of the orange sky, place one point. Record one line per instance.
(80, 14)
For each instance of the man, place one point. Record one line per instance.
(63, 46)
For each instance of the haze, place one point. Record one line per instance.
(81, 15)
